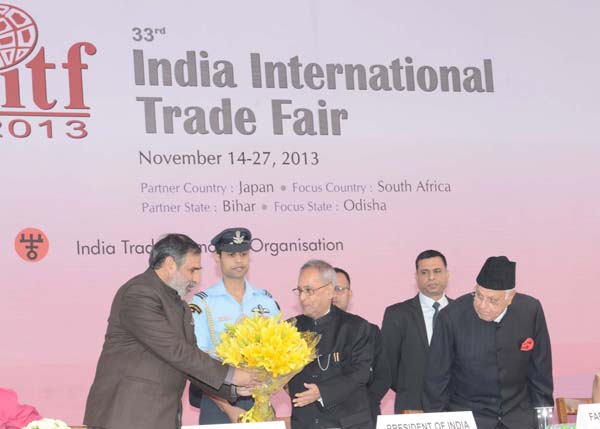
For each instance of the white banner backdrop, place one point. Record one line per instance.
(358, 133)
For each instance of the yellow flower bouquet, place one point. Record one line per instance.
(274, 348)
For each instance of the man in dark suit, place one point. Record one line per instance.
(331, 391)
(490, 354)
(379, 382)
(150, 349)
(407, 328)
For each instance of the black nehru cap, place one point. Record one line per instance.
(498, 273)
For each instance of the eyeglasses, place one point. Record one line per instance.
(309, 291)
(494, 302)
(341, 289)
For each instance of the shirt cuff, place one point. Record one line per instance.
(233, 394)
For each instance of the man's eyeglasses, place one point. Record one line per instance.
(310, 291)
(494, 302)
(341, 289)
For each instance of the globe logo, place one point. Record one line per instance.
(18, 35)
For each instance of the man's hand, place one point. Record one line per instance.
(233, 413)
(310, 395)
(243, 378)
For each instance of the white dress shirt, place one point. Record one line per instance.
(428, 311)
(501, 316)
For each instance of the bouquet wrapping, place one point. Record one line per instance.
(47, 424)
(273, 348)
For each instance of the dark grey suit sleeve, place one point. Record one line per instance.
(539, 372)
(143, 316)
(438, 377)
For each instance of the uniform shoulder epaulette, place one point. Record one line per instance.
(266, 292)
(195, 308)
(201, 295)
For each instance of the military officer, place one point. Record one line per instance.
(232, 297)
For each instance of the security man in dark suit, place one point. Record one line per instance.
(408, 326)
(379, 381)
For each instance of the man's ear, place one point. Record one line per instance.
(329, 291)
(170, 264)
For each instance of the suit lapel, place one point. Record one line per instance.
(417, 315)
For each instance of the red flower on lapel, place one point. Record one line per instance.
(527, 345)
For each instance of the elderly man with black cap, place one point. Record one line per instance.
(222, 304)
(490, 353)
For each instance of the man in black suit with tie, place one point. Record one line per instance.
(408, 326)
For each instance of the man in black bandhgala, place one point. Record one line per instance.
(331, 391)
(490, 353)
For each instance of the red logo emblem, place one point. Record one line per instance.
(40, 97)
(527, 345)
(31, 244)
(18, 35)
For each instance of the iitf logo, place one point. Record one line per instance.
(29, 105)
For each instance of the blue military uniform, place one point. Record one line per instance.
(212, 310)
(215, 308)
(218, 308)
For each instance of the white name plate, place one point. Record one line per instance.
(449, 420)
(262, 425)
(588, 416)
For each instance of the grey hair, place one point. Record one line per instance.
(175, 245)
(325, 269)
